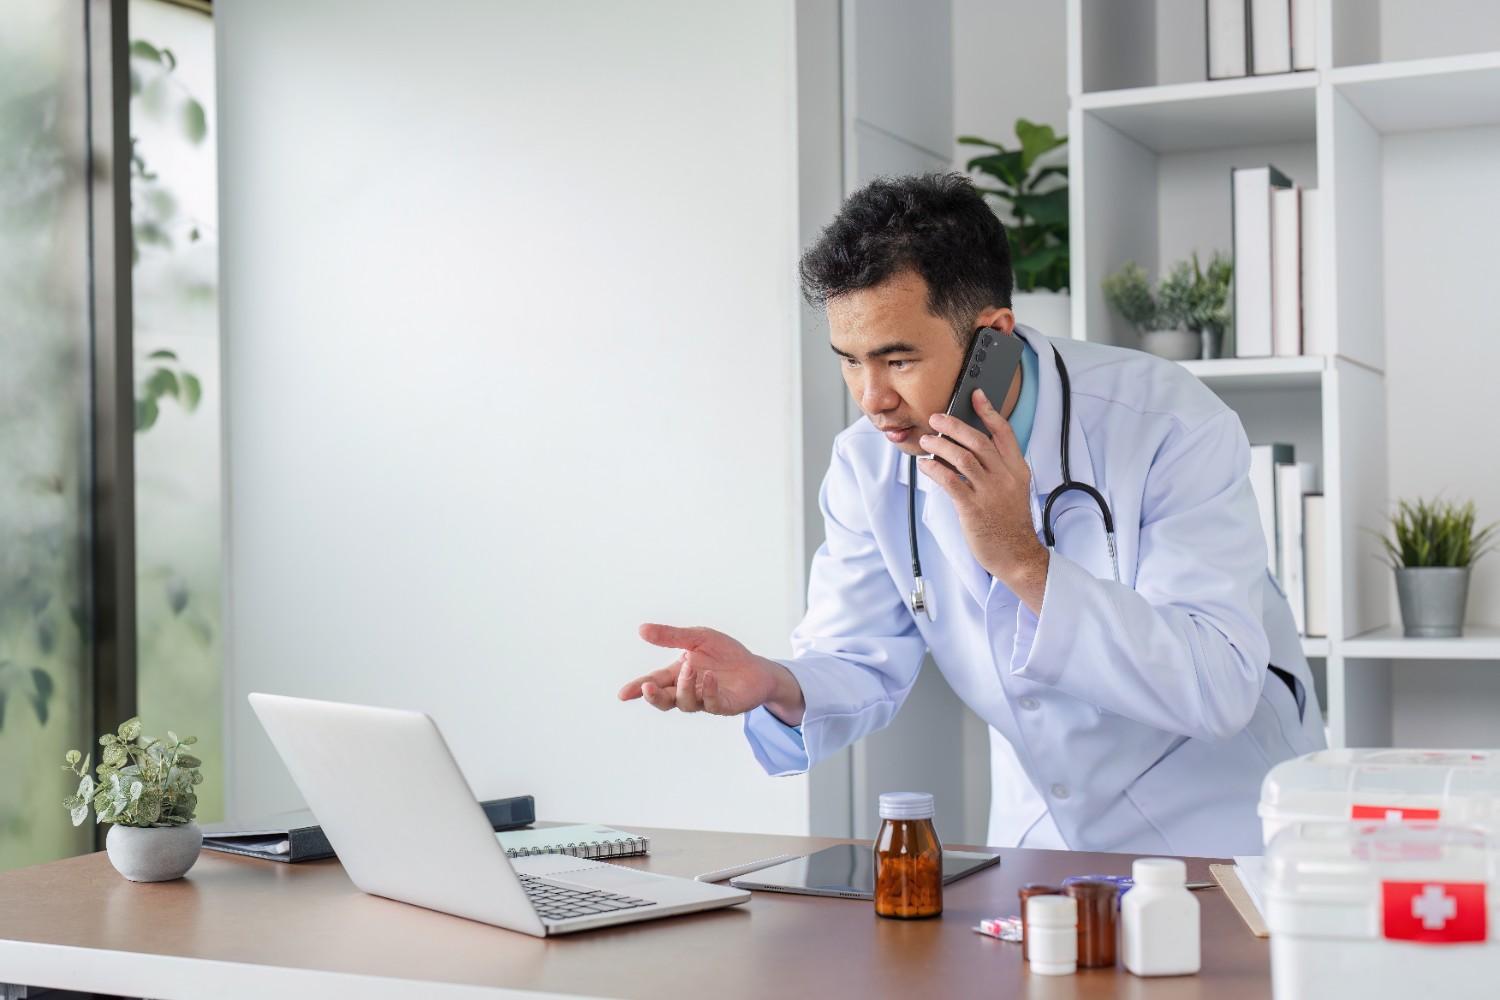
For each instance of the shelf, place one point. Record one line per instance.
(1249, 111)
(1315, 648)
(1303, 372)
(1479, 642)
(1424, 94)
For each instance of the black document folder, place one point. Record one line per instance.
(296, 836)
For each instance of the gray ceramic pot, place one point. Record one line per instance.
(1177, 345)
(153, 854)
(1433, 599)
(1212, 343)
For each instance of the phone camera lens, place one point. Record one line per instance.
(978, 355)
(974, 372)
(987, 340)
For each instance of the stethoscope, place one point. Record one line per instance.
(919, 602)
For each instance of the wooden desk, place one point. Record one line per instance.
(240, 927)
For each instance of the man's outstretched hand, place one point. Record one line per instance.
(715, 674)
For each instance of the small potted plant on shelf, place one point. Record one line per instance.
(1185, 317)
(145, 792)
(1432, 545)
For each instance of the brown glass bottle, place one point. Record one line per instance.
(908, 858)
(1096, 920)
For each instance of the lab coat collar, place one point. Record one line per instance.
(1044, 451)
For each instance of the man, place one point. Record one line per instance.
(1138, 715)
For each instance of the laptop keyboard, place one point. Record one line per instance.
(554, 902)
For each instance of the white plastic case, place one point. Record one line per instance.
(1383, 910)
(1447, 786)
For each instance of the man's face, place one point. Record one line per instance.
(899, 361)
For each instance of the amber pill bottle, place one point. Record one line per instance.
(1096, 920)
(908, 858)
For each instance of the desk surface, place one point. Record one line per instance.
(243, 927)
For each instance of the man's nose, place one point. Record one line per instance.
(877, 396)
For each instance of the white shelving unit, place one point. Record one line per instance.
(1150, 151)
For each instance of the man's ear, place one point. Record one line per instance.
(997, 318)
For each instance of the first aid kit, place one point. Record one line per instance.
(1381, 910)
(1459, 787)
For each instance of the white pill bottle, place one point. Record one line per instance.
(1159, 920)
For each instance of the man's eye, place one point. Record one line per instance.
(901, 364)
(851, 362)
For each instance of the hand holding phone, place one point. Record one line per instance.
(990, 364)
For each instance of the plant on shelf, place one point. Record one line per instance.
(1185, 316)
(1036, 211)
(1432, 546)
(145, 791)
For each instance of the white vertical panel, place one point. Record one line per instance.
(1355, 207)
(489, 405)
(1358, 493)
(900, 70)
(1119, 44)
(1116, 222)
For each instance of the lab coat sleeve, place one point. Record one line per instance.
(1185, 650)
(857, 651)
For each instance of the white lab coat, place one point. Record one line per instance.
(1135, 717)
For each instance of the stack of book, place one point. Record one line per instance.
(1277, 291)
(1294, 519)
(1248, 37)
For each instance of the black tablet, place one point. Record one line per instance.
(847, 870)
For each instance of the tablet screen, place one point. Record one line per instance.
(847, 870)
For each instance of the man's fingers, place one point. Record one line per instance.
(687, 695)
(673, 637)
(661, 678)
(712, 701)
(945, 477)
(954, 453)
(1001, 432)
(976, 442)
(664, 698)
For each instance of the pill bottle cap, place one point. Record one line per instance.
(1052, 911)
(905, 805)
(1159, 871)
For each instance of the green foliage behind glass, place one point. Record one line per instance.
(1035, 193)
(1435, 533)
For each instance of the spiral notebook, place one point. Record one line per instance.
(581, 841)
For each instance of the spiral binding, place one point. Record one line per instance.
(593, 849)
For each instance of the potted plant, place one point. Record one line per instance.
(1432, 546)
(145, 792)
(1128, 292)
(1034, 188)
(1197, 301)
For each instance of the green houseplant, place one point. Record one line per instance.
(1432, 546)
(145, 791)
(1185, 316)
(1028, 188)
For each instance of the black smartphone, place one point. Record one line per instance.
(989, 365)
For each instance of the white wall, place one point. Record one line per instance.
(511, 328)
(1010, 60)
(1442, 355)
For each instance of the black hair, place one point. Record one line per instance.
(935, 224)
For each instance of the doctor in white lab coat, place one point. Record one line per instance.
(1138, 715)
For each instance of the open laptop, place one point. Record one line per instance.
(395, 806)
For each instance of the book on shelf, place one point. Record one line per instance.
(1286, 273)
(1250, 191)
(1292, 481)
(1270, 36)
(1264, 458)
(1315, 559)
(1317, 338)
(1304, 34)
(1228, 39)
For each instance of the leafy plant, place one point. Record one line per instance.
(142, 781)
(1038, 223)
(1192, 299)
(163, 381)
(1435, 533)
(1128, 292)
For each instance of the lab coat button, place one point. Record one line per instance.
(1030, 704)
(1059, 791)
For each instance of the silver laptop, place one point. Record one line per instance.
(396, 808)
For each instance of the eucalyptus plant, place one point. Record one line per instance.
(1038, 209)
(1428, 533)
(1128, 292)
(142, 781)
(1193, 299)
